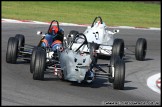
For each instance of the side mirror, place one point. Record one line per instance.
(89, 27)
(116, 31)
(39, 32)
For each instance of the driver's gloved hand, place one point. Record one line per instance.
(56, 47)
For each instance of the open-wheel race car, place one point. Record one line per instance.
(109, 45)
(79, 66)
(17, 49)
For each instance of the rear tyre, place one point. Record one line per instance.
(140, 49)
(119, 74)
(71, 35)
(118, 48)
(12, 50)
(21, 40)
(40, 64)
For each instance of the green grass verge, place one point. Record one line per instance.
(83, 12)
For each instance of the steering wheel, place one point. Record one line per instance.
(96, 19)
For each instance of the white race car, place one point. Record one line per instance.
(108, 44)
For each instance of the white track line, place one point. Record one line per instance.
(72, 24)
(151, 82)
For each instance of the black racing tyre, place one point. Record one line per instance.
(33, 58)
(140, 49)
(21, 40)
(119, 74)
(111, 69)
(71, 35)
(118, 48)
(40, 64)
(12, 50)
(93, 55)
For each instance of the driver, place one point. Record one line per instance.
(53, 39)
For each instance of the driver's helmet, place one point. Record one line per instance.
(54, 30)
(98, 24)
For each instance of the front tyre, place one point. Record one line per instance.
(140, 49)
(119, 74)
(40, 64)
(12, 50)
(111, 69)
(93, 54)
(33, 58)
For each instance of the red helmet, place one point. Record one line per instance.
(54, 30)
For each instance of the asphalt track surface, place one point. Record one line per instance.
(18, 87)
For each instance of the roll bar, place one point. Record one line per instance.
(96, 19)
(85, 42)
(52, 23)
